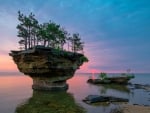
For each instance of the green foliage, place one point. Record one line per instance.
(77, 45)
(56, 51)
(48, 34)
(103, 75)
(27, 29)
(130, 76)
(84, 59)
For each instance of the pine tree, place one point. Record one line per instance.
(49, 34)
(27, 29)
(77, 45)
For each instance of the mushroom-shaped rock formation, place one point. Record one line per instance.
(49, 68)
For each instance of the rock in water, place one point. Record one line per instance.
(48, 67)
(97, 98)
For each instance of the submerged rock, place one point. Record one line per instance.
(97, 98)
(140, 86)
(48, 67)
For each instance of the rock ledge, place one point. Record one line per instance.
(48, 67)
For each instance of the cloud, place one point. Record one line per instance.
(116, 33)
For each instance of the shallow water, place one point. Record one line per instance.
(80, 88)
(16, 89)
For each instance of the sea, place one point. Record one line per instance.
(16, 89)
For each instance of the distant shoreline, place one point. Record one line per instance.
(19, 73)
(11, 72)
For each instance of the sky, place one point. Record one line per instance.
(116, 32)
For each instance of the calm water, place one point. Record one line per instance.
(15, 89)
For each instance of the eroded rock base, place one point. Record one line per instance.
(49, 84)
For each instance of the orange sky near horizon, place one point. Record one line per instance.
(7, 64)
(115, 34)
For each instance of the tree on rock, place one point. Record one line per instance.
(48, 34)
(27, 29)
(77, 45)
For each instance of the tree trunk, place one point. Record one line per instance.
(29, 38)
(26, 43)
(34, 40)
(44, 42)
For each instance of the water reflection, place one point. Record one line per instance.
(116, 87)
(50, 102)
(79, 87)
(15, 89)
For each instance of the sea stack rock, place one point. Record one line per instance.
(49, 68)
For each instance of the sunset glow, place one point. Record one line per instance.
(116, 33)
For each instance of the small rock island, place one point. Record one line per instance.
(43, 56)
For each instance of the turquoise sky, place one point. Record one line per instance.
(116, 32)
